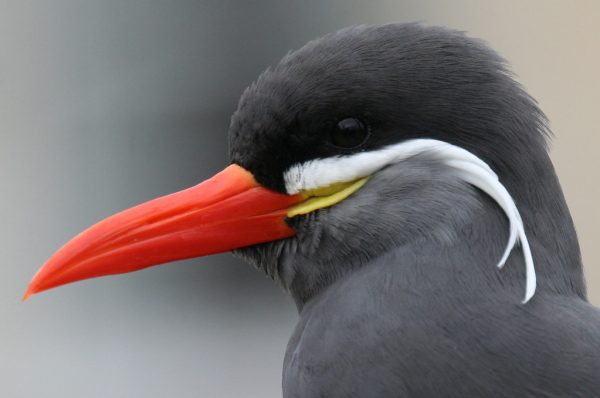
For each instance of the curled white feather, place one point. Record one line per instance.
(323, 172)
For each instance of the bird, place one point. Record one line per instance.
(395, 181)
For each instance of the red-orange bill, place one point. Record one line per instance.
(228, 211)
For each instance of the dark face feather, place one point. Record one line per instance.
(403, 81)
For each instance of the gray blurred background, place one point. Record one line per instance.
(106, 104)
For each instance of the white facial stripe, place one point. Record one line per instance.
(323, 172)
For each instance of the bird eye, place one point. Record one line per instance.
(349, 133)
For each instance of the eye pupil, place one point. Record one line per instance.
(349, 133)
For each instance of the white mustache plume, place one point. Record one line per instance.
(470, 168)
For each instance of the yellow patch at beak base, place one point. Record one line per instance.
(319, 198)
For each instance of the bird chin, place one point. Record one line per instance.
(280, 259)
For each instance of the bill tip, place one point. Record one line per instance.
(27, 294)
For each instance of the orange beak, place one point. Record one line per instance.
(228, 211)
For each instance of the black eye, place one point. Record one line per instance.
(349, 133)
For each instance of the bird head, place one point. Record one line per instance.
(367, 139)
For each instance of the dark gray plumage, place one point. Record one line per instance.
(396, 287)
